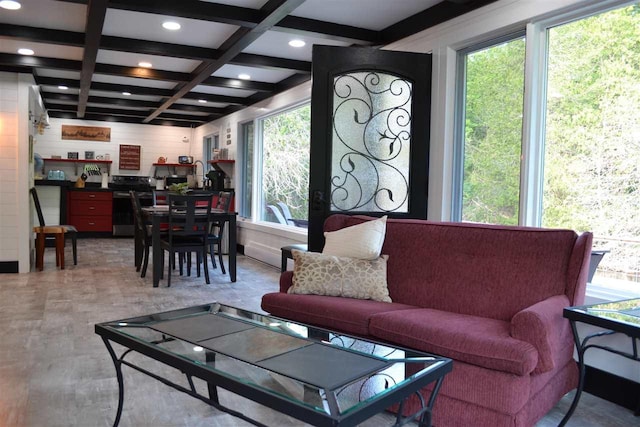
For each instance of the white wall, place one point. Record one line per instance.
(14, 178)
(155, 141)
(261, 240)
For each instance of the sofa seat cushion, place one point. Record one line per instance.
(476, 340)
(347, 315)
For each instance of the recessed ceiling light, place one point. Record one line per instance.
(297, 43)
(25, 51)
(145, 64)
(62, 87)
(126, 93)
(10, 5)
(244, 76)
(202, 101)
(171, 25)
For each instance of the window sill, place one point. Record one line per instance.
(288, 232)
(597, 293)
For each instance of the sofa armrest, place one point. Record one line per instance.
(543, 326)
(286, 281)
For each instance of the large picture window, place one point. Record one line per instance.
(281, 160)
(577, 164)
(491, 88)
(592, 141)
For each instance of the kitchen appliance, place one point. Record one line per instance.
(56, 175)
(185, 160)
(122, 210)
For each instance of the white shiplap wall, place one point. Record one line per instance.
(154, 142)
(14, 150)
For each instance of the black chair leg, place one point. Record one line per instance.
(173, 257)
(74, 246)
(204, 264)
(220, 258)
(198, 261)
(145, 262)
(212, 253)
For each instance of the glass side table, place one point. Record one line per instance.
(615, 317)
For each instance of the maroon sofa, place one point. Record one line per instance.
(489, 297)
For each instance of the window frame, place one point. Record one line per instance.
(460, 116)
(257, 194)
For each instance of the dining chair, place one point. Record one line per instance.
(69, 230)
(217, 229)
(189, 227)
(143, 233)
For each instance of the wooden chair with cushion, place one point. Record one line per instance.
(68, 230)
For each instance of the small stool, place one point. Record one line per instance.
(286, 254)
(41, 234)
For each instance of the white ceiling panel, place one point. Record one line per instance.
(118, 95)
(196, 102)
(257, 74)
(251, 4)
(56, 15)
(61, 74)
(148, 26)
(159, 62)
(103, 78)
(370, 14)
(42, 49)
(223, 91)
(54, 89)
(275, 43)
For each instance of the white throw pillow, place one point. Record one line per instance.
(362, 241)
(320, 274)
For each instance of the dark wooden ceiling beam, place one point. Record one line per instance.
(123, 119)
(327, 30)
(188, 117)
(11, 59)
(272, 13)
(270, 62)
(61, 37)
(96, 12)
(428, 18)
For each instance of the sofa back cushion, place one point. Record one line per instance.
(476, 269)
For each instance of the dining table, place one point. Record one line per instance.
(159, 214)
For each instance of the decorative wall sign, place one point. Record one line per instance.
(86, 133)
(130, 157)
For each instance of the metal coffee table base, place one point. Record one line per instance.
(422, 416)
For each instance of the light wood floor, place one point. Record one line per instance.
(55, 371)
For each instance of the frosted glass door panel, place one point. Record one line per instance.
(371, 143)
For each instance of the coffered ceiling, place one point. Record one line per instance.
(88, 55)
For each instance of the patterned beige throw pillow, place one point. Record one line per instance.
(319, 274)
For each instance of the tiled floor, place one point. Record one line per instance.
(55, 371)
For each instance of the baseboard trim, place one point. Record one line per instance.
(612, 388)
(8, 267)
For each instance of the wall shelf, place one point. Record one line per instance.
(171, 167)
(77, 162)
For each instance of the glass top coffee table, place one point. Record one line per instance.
(321, 377)
(614, 317)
